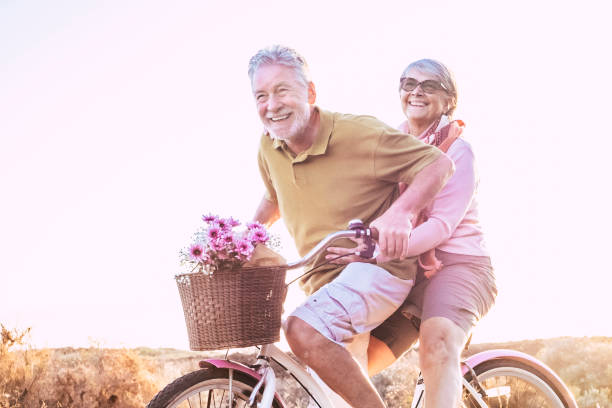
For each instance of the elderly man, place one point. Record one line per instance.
(322, 169)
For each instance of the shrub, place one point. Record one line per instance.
(79, 378)
(21, 370)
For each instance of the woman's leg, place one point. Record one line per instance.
(392, 338)
(454, 300)
(380, 356)
(441, 343)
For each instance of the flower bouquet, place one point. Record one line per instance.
(223, 243)
(234, 288)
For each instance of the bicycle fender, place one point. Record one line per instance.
(217, 363)
(526, 359)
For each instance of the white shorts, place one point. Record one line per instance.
(358, 300)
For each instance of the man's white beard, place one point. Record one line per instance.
(274, 136)
(299, 126)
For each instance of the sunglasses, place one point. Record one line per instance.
(428, 86)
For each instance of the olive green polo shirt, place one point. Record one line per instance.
(352, 170)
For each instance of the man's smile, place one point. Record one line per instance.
(279, 118)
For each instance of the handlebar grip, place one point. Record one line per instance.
(369, 238)
(369, 235)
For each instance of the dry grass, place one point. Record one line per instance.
(21, 370)
(129, 378)
(92, 377)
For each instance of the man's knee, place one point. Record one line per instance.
(441, 342)
(301, 337)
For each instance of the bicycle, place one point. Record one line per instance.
(494, 378)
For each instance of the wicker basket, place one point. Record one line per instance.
(233, 308)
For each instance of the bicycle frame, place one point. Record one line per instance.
(266, 375)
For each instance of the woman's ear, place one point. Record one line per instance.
(449, 103)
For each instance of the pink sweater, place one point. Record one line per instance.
(453, 224)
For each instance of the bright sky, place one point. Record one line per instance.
(121, 123)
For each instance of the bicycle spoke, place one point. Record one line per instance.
(506, 391)
(509, 384)
(211, 389)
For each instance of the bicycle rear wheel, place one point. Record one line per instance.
(209, 387)
(512, 384)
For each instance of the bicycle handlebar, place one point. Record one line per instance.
(356, 230)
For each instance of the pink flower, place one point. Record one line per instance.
(210, 218)
(224, 224)
(196, 252)
(259, 235)
(232, 222)
(217, 245)
(214, 233)
(244, 247)
(254, 226)
(227, 239)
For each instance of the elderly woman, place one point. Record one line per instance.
(455, 286)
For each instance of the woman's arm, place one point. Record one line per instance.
(450, 205)
(395, 224)
(447, 210)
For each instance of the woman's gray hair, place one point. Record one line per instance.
(439, 70)
(281, 55)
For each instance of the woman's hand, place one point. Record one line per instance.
(333, 252)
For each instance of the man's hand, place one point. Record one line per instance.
(396, 241)
(395, 225)
(394, 228)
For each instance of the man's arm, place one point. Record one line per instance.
(267, 212)
(395, 224)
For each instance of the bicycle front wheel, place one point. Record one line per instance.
(512, 384)
(209, 387)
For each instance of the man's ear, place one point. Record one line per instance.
(312, 93)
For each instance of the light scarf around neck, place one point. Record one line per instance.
(441, 134)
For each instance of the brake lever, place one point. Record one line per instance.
(366, 234)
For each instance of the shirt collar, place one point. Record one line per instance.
(326, 124)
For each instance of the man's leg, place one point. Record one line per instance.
(441, 343)
(358, 347)
(358, 300)
(333, 363)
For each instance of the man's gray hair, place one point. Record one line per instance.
(443, 74)
(280, 55)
